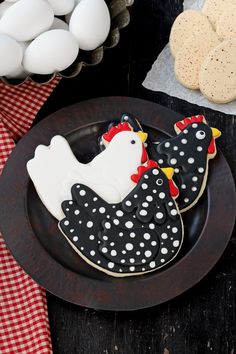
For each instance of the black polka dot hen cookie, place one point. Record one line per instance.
(139, 235)
(189, 154)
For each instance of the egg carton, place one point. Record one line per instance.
(120, 18)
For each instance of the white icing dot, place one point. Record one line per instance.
(135, 196)
(159, 215)
(153, 243)
(173, 212)
(107, 225)
(75, 238)
(148, 254)
(176, 243)
(145, 205)
(147, 236)
(112, 243)
(173, 161)
(132, 260)
(113, 206)
(195, 179)
(102, 210)
(76, 212)
(174, 230)
(164, 235)
(160, 161)
(164, 250)
(128, 203)
(92, 253)
(175, 148)
(132, 234)
(162, 260)
(94, 210)
(186, 200)
(129, 246)
(185, 131)
(143, 260)
(143, 212)
(200, 169)
(82, 192)
(168, 226)
(141, 244)
(146, 176)
(72, 230)
(70, 202)
(144, 186)
(176, 170)
(121, 234)
(181, 153)
(105, 238)
(91, 237)
(167, 144)
(111, 265)
(104, 250)
(151, 226)
(113, 253)
(191, 160)
(98, 262)
(66, 222)
(138, 253)
(95, 199)
(162, 195)
(86, 204)
(67, 209)
(82, 248)
(194, 189)
(154, 191)
(170, 203)
(155, 172)
(184, 141)
(122, 261)
(129, 224)
(194, 125)
(143, 269)
(116, 222)
(183, 186)
(149, 198)
(152, 265)
(78, 186)
(123, 252)
(119, 213)
(199, 148)
(89, 224)
(80, 222)
(132, 269)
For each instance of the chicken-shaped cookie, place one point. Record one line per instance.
(139, 235)
(189, 154)
(54, 168)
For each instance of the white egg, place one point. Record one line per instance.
(3, 7)
(26, 19)
(19, 73)
(62, 7)
(68, 16)
(90, 23)
(59, 24)
(11, 54)
(51, 51)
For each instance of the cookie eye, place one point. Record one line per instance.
(159, 182)
(200, 135)
(133, 142)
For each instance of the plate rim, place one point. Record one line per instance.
(95, 285)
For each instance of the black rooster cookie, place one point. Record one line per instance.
(189, 154)
(141, 234)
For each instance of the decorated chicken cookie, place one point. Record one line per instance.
(138, 235)
(189, 153)
(54, 168)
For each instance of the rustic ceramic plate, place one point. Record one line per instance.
(32, 235)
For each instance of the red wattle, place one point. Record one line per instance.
(212, 148)
(174, 191)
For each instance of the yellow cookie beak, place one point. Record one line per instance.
(143, 136)
(216, 133)
(168, 171)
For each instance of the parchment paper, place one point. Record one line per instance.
(162, 77)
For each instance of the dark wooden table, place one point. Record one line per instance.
(201, 321)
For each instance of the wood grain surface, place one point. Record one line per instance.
(201, 321)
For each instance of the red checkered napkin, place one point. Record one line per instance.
(24, 326)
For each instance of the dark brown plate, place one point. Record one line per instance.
(32, 235)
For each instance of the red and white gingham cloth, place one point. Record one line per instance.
(24, 326)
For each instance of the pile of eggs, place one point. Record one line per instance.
(34, 40)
